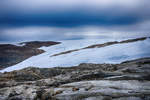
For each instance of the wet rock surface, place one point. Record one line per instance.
(129, 80)
(12, 54)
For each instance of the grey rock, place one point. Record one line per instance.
(129, 80)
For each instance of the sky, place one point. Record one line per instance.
(27, 20)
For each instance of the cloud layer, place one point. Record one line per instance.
(64, 19)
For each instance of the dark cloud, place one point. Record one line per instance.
(21, 13)
(46, 19)
(69, 19)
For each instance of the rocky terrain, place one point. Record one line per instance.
(128, 80)
(12, 54)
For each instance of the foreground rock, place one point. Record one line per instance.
(102, 89)
(13, 54)
(129, 80)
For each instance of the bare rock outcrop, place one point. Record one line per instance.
(12, 54)
(126, 81)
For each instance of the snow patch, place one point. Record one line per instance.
(110, 54)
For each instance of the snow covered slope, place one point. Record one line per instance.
(110, 54)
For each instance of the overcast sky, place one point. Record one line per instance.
(22, 20)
